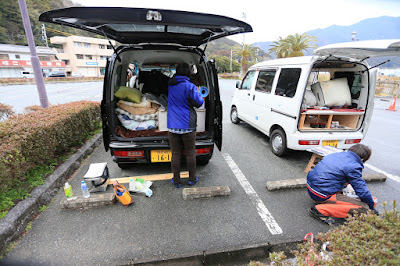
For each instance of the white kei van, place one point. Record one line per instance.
(309, 101)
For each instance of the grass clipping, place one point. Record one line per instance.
(366, 239)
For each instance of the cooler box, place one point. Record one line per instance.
(201, 120)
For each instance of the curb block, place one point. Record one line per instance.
(95, 200)
(302, 182)
(16, 220)
(205, 192)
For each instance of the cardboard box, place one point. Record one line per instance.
(201, 120)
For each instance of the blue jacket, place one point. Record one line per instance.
(182, 97)
(335, 171)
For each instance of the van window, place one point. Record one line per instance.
(287, 82)
(248, 80)
(265, 80)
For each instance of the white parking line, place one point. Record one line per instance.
(266, 216)
(394, 177)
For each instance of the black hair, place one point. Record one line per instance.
(361, 150)
(183, 69)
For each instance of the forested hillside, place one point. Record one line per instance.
(11, 27)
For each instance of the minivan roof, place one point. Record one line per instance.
(143, 25)
(284, 61)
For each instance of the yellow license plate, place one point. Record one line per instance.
(333, 143)
(161, 156)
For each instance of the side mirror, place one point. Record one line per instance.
(237, 84)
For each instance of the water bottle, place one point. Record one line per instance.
(68, 191)
(85, 190)
(131, 185)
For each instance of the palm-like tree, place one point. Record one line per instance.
(293, 45)
(247, 52)
(279, 48)
(299, 43)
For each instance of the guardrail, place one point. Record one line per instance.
(387, 88)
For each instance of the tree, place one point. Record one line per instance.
(299, 43)
(247, 52)
(292, 45)
(279, 48)
(223, 64)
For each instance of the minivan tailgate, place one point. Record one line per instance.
(362, 49)
(142, 25)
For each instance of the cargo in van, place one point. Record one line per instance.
(135, 92)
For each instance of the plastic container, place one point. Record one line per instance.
(68, 191)
(85, 190)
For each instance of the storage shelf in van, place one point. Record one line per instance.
(347, 120)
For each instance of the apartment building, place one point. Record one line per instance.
(15, 61)
(84, 56)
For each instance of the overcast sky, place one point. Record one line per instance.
(273, 18)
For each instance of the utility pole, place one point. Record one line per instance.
(37, 70)
(230, 66)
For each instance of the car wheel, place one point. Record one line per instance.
(278, 142)
(234, 115)
(124, 165)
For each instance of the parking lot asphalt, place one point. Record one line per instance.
(165, 227)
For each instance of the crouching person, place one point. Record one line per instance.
(327, 179)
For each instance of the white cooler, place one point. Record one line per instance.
(201, 120)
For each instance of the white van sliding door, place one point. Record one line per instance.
(286, 99)
(262, 99)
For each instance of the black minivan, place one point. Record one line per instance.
(135, 92)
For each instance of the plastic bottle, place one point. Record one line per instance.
(131, 185)
(85, 190)
(68, 191)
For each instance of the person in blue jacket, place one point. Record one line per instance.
(183, 96)
(334, 172)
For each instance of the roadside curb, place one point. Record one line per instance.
(230, 256)
(14, 223)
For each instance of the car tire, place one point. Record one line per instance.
(277, 141)
(234, 115)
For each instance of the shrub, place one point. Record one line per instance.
(6, 111)
(38, 137)
(366, 239)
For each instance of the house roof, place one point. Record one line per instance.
(11, 48)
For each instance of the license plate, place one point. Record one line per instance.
(333, 143)
(161, 156)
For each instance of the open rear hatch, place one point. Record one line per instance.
(361, 50)
(141, 25)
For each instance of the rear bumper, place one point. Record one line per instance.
(341, 137)
(145, 157)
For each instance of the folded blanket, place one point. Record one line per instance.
(137, 117)
(138, 110)
(137, 125)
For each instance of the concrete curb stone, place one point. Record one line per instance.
(16, 220)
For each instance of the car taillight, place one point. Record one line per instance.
(352, 141)
(133, 154)
(308, 142)
(203, 151)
